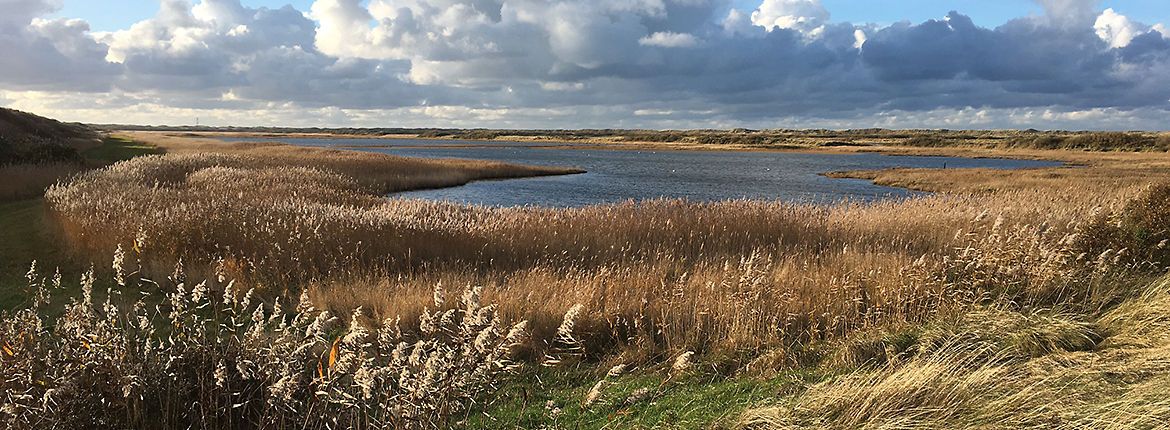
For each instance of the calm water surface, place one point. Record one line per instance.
(620, 175)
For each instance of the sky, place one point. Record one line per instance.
(112, 15)
(1070, 64)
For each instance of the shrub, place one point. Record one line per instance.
(1145, 223)
(1093, 141)
(927, 141)
(1140, 231)
(1110, 141)
(30, 153)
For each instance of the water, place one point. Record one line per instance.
(620, 175)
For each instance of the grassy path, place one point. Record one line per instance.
(115, 149)
(27, 232)
(25, 235)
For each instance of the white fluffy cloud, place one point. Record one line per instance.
(803, 15)
(1116, 29)
(585, 63)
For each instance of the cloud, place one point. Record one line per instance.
(1161, 28)
(587, 63)
(18, 13)
(666, 39)
(39, 53)
(1070, 13)
(194, 55)
(802, 15)
(1116, 29)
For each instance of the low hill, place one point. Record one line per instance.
(30, 139)
(740, 138)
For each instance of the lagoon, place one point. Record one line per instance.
(617, 175)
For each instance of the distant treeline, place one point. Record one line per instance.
(774, 138)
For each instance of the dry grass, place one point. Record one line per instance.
(656, 278)
(1100, 171)
(831, 274)
(990, 371)
(381, 173)
(990, 287)
(267, 211)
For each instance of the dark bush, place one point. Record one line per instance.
(734, 139)
(1046, 141)
(1163, 142)
(1110, 141)
(1141, 228)
(927, 141)
(39, 153)
(1093, 141)
(1146, 223)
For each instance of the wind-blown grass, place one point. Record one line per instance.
(985, 375)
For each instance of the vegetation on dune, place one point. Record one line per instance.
(36, 152)
(1083, 141)
(17, 125)
(1110, 141)
(30, 139)
(756, 139)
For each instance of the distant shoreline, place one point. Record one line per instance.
(1074, 163)
(809, 145)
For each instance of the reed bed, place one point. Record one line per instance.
(746, 287)
(778, 301)
(297, 219)
(657, 277)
